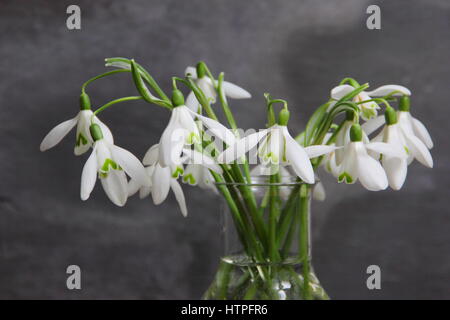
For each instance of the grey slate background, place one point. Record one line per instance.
(297, 50)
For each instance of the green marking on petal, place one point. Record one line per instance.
(369, 112)
(272, 157)
(81, 140)
(189, 178)
(177, 172)
(345, 177)
(108, 164)
(406, 149)
(192, 137)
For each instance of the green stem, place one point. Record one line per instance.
(283, 222)
(273, 214)
(109, 104)
(304, 239)
(223, 279)
(83, 87)
(294, 222)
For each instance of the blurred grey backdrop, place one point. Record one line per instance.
(297, 50)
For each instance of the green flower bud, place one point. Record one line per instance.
(96, 132)
(390, 115)
(177, 98)
(356, 133)
(404, 103)
(283, 117)
(201, 69)
(85, 102)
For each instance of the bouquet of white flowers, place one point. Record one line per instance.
(266, 177)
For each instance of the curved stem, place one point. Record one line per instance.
(109, 104)
(83, 87)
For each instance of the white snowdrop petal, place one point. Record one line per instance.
(340, 91)
(319, 150)
(342, 139)
(298, 159)
(422, 133)
(160, 184)
(179, 196)
(373, 124)
(133, 187)
(172, 141)
(385, 149)
(370, 172)
(419, 150)
(151, 156)
(319, 192)
(396, 170)
(208, 89)
(89, 175)
(387, 89)
(235, 92)
(192, 102)
(241, 147)
(348, 170)
(130, 164)
(192, 71)
(216, 129)
(116, 187)
(57, 134)
(203, 160)
(144, 192)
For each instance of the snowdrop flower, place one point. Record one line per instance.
(414, 134)
(110, 163)
(278, 147)
(159, 181)
(182, 130)
(334, 159)
(358, 164)
(198, 175)
(395, 167)
(410, 124)
(368, 109)
(206, 85)
(83, 137)
(198, 170)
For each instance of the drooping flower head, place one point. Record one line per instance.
(109, 163)
(277, 146)
(204, 82)
(368, 109)
(82, 120)
(359, 165)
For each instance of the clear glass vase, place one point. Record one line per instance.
(266, 230)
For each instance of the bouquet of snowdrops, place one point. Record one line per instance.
(197, 149)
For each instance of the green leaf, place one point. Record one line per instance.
(314, 122)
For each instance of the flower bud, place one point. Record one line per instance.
(96, 132)
(201, 69)
(85, 102)
(404, 103)
(177, 98)
(390, 115)
(139, 83)
(355, 133)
